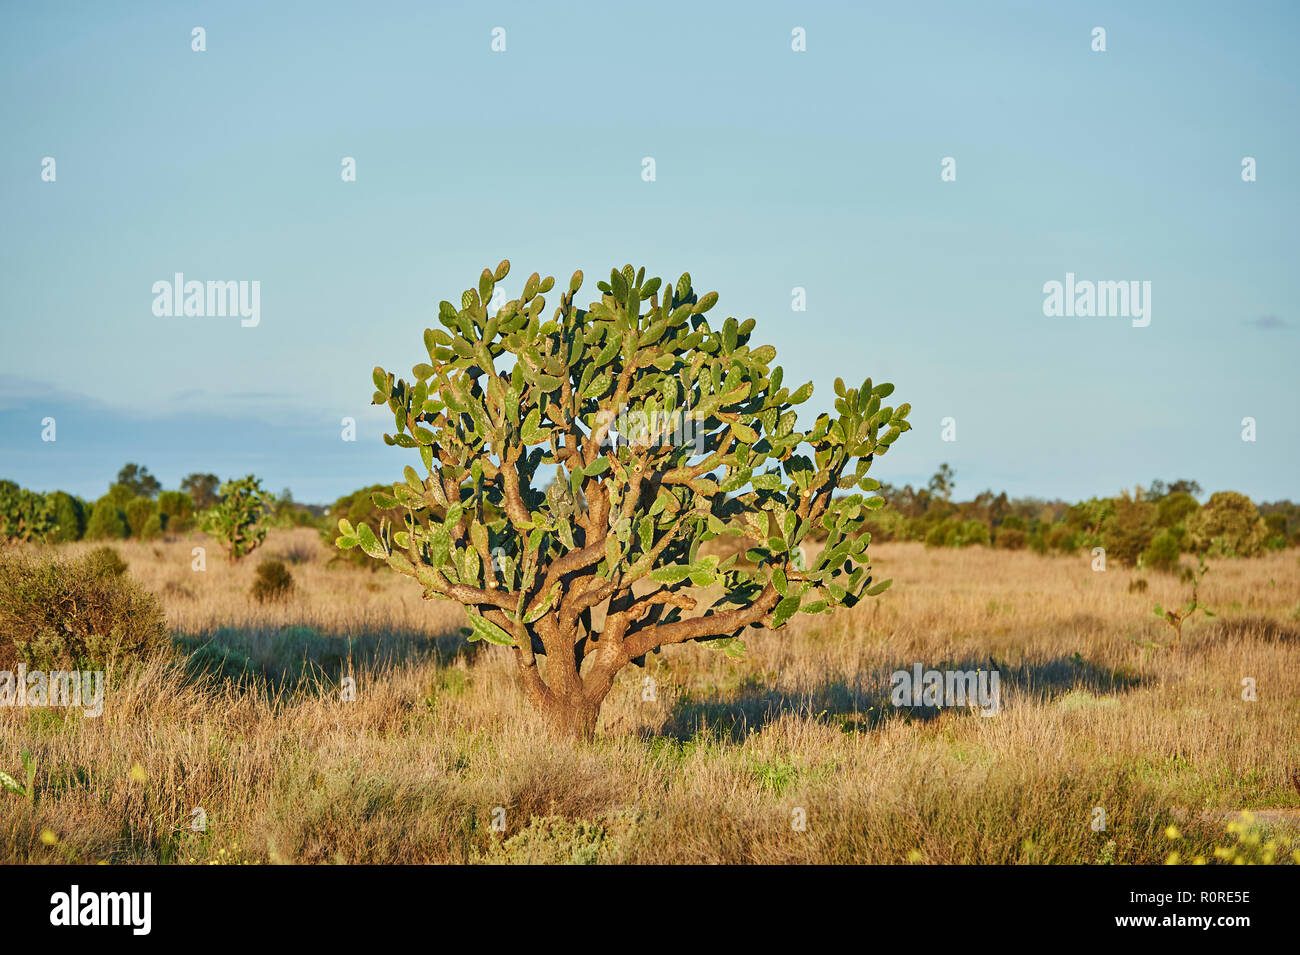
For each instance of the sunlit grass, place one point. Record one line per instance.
(249, 725)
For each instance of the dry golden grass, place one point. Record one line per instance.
(715, 768)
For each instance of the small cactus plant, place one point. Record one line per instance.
(25, 515)
(1176, 618)
(663, 432)
(235, 521)
(27, 788)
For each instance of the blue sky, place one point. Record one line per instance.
(775, 169)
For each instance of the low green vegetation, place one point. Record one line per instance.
(134, 508)
(1149, 528)
(59, 613)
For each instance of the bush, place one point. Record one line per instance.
(1060, 537)
(273, 583)
(139, 512)
(105, 562)
(120, 495)
(1283, 519)
(1163, 553)
(1175, 508)
(236, 520)
(74, 614)
(1128, 529)
(106, 521)
(69, 517)
(1228, 525)
(954, 532)
(24, 515)
(1088, 517)
(153, 528)
(1010, 538)
(177, 510)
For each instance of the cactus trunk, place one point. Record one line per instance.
(572, 717)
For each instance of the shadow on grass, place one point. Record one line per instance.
(1252, 628)
(290, 655)
(861, 704)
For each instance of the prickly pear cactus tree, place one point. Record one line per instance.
(575, 468)
(24, 515)
(235, 521)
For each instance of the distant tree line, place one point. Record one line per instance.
(1149, 527)
(135, 506)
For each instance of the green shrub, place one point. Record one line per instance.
(273, 582)
(69, 517)
(1175, 508)
(177, 510)
(57, 613)
(153, 528)
(1061, 537)
(954, 532)
(24, 515)
(120, 495)
(106, 522)
(1010, 538)
(1128, 529)
(1228, 525)
(105, 562)
(1277, 526)
(236, 520)
(973, 532)
(1163, 552)
(139, 512)
(1086, 518)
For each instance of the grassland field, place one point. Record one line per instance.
(699, 757)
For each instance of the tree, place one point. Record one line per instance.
(1159, 489)
(69, 516)
(177, 510)
(1228, 525)
(1128, 529)
(943, 482)
(664, 434)
(235, 521)
(202, 488)
(107, 522)
(25, 515)
(138, 480)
